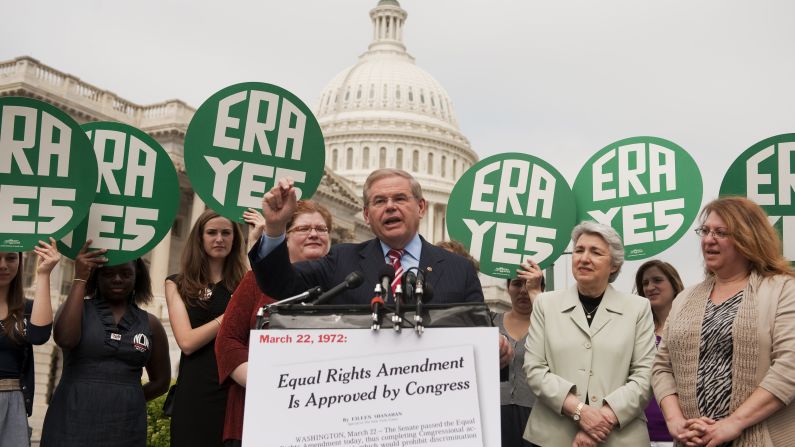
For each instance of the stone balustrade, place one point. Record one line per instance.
(95, 102)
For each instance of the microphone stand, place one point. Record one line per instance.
(261, 321)
(418, 292)
(376, 304)
(397, 319)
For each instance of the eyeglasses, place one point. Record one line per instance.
(306, 229)
(398, 200)
(718, 233)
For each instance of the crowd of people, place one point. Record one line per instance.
(708, 365)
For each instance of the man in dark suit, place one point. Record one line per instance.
(393, 207)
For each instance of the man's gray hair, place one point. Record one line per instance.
(610, 236)
(378, 174)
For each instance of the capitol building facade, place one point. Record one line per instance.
(384, 111)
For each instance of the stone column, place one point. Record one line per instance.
(158, 269)
(197, 209)
(430, 234)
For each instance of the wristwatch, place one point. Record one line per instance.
(577, 411)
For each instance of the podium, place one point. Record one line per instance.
(296, 316)
(319, 374)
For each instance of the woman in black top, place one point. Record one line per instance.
(107, 341)
(23, 323)
(213, 264)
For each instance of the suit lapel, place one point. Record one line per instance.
(571, 305)
(371, 257)
(430, 263)
(610, 305)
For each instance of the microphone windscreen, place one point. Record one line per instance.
(427, 293)
(354, 279)
(409, 277)
(386, 270)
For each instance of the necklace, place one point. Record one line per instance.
(590, 314)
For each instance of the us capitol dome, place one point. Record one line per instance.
(385, 111)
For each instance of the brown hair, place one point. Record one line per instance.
(667, 269)
(378, 174)
(309, 207)
(194, 277)
(15, 300)
(459, 249)
(753, 235)
(142, 291)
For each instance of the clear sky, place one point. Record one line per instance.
(559, 79)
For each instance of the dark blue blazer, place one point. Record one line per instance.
(452, 277)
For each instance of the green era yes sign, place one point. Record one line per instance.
(246, 137)
(511, 207)
(765, 173)
(648, 189)
(137, 194)
(47, 173)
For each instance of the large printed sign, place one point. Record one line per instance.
(47, 173)
(648, 189)
(137, 194)
(377, 389)
(765, 173)
(510, 207)
(246, 137)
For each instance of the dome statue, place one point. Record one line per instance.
(385, 111)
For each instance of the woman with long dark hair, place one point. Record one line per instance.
(107, 340)
(213, 264)
(23, 323)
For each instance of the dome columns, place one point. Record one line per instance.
(388, 19)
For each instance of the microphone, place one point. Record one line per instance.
(353, 280)
(409, 284)
(385, 276)
(308, 295)
(314, 292)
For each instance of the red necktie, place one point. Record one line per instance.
(394, 259)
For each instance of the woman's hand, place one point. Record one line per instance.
(48, 256)
(719, 432)
(505, 350)
(583, 440)
(256, 224)
(86, 261)
(532, 275)
(693, 430)
(677, 428)
(594, 423)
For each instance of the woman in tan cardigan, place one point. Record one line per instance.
(725, 370)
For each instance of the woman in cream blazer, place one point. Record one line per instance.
(589, 352)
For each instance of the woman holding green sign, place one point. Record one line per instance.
(23, 323)
(589, 352)
(107, 340)
(516, 399)
(724, 372)
(212, 266)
